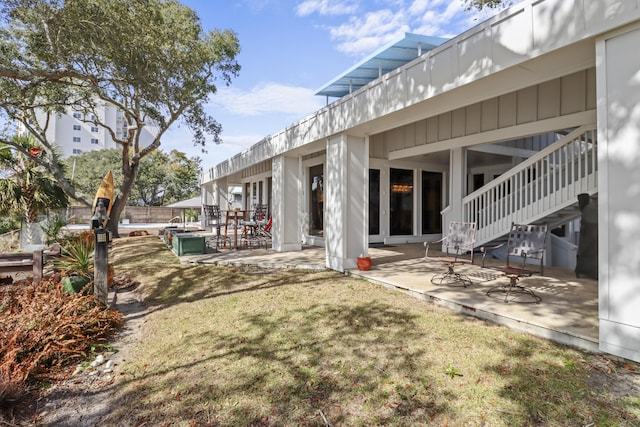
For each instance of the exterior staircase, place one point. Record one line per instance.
(541, 189)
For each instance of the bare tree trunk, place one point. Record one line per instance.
(121, 200)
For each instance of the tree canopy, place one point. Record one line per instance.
(25, 187)
(149, 58)
(163, 178)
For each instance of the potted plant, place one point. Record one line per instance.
(76, 264)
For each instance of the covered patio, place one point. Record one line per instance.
(568, 312)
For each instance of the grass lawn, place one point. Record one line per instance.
(245, 346)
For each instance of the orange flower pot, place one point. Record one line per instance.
(364, 263)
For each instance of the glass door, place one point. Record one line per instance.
(374, 201)
(316, 200)
(431, 202)
(401, 202)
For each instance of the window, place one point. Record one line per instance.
(77, 115)
(77, 127)
(77, 139)
(93, 117)
(94, 140)
(77, 151)
(94, 129)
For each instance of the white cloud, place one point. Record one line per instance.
(360, 35)
(273, 98)
(363, 35)
(326, 7)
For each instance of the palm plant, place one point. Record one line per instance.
(77, 258)
(25, 186)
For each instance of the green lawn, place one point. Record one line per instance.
(246, 346)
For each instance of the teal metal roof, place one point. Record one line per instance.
(391, 56)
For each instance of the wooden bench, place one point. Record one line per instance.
(23, 261)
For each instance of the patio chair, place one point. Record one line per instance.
(213, 217)
(458, 249)
(253, 234)
(525, 248)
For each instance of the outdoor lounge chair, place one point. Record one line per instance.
(457, 246)
(525, 257)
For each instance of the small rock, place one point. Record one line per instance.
(108, 366)
(78, 370)
(99, 360)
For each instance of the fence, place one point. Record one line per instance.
(135, 214)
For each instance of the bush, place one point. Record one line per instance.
(9, 223)
(43, 330)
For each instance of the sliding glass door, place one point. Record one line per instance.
(401, 202)
(374, 202)
(316, 201)
(431, 202)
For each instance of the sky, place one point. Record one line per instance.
(291, 48)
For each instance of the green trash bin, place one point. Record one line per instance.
(188, 244)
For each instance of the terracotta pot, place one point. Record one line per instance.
(364, 263)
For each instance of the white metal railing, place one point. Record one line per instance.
(539, 186)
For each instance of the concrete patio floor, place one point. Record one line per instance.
(568, 312)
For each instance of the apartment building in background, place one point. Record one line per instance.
(76, 133)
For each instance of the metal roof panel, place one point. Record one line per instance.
(391, 56)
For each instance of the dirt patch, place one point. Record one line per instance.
(615, 376)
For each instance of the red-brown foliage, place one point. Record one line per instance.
(43, 330)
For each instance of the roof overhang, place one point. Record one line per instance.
(391, 56)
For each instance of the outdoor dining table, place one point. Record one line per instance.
(234, 215)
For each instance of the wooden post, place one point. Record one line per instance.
(100, 264)
(37, 266)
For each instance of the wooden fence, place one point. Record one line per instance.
(136, 214)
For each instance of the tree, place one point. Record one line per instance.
(150, 58)
(27, 187)
(162, 178)
(86, 171)
(182, 177)
(167, 178)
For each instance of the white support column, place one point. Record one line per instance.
(220, 193)
(457, 186)
(346, 214)
(618, 94)
(287, 188)
(206, 198)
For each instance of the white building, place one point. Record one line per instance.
(506, 122)
(75, 133)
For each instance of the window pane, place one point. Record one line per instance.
(401, 202)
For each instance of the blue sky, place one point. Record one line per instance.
(291, 48)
